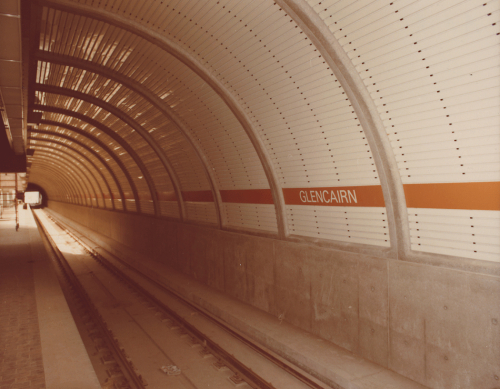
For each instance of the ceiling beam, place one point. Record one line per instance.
(155, 101)
(113, 135)
(83, 181)
(199, 68)
(333, 53)
(136, 127)
(81, 155)
(90, 150)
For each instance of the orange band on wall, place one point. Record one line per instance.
(346, 196)
(463, 195)
(466, 195)
(247, 196)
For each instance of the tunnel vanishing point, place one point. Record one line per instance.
(332, 164)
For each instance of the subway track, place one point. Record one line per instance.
(132, 326)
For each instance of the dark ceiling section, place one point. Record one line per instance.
(9, 161)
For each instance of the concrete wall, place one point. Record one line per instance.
(437, 326)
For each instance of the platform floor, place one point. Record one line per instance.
(21, 363)
(34, 352)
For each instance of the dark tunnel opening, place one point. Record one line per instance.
(33, 188)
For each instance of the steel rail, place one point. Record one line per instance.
(229, 359)
(124, 362)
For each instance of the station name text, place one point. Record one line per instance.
(328, 196)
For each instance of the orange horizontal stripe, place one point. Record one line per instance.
(468, 195)
(247, 196)
(463, 195)
(345, 196)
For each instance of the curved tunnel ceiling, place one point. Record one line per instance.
(366, 126)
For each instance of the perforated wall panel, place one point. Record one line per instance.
(169, 209)
(464, 233)
(254, 216)
(293, 99)
(204, 212)
(432, 70)
(355, 225)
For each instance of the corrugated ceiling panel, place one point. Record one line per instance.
(254, 216)
(181, 155)
(464, 233)
(116, 125)
(78, 192)
(114, 94)
(432, 71)
(287, 89)
(123, 156)
(147, 206)
(169, 209)
(97, 183)
(355, 225)
(204, 212)
(428, 66)
(83, 185)
(107, 176)
(199, 107)
(53, 187)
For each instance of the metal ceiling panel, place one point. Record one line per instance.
(464, 233)
(10, 37)
(276, 42)
(251, 216)
(432, 70)
(367, 225)
(126, 159)
(106, 180)
(11, 75)
(201, 212)
(10, 7)
(430, 67)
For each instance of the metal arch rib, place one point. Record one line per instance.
(87, 135)
(185, 57)
(55, 190)
(153, 99)
(88, 149)
(392, 187)
(78, 191)
(84, 181)
(111, 134)
(83, 145)
(100, 144)
(60, 186)
(78, 182)
(133, 124)
(71, 188)
(81, 155)
(64, 152)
